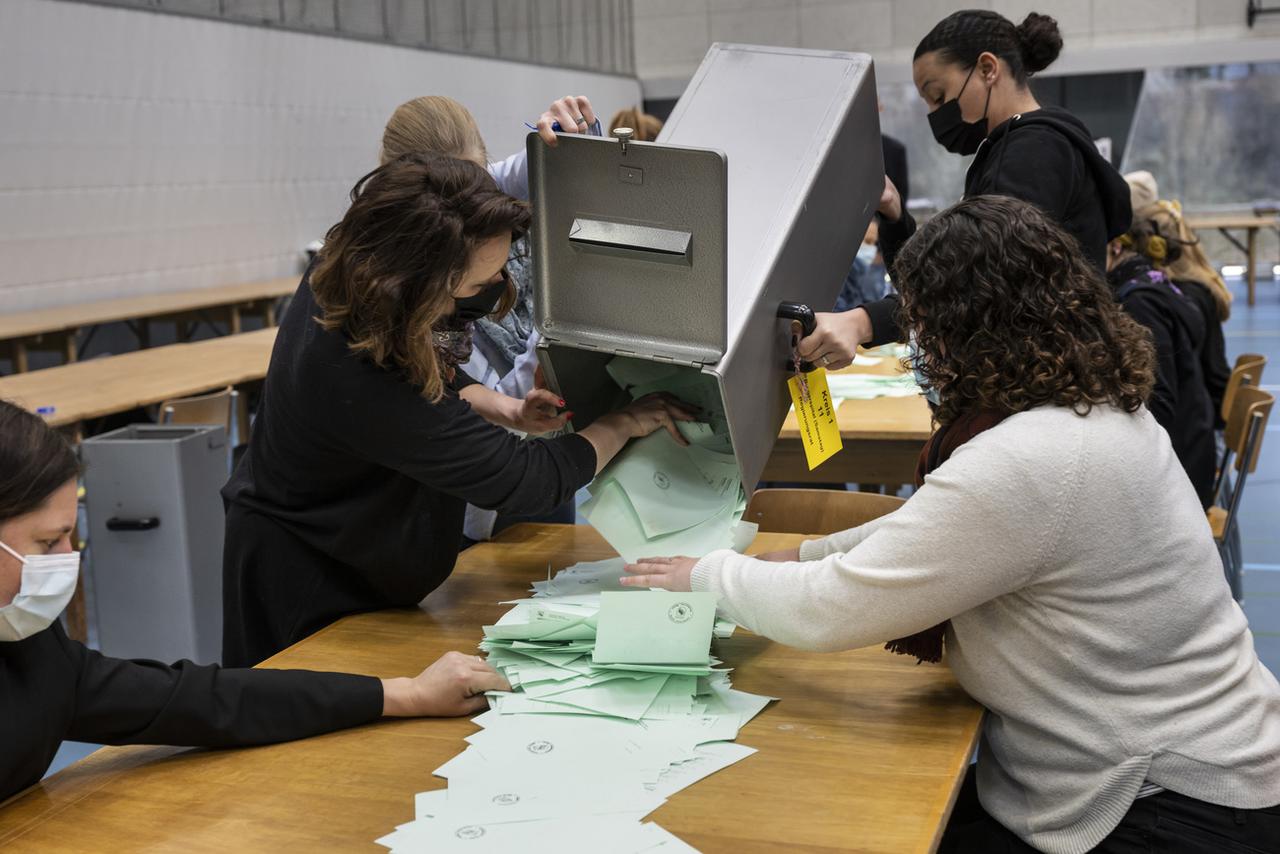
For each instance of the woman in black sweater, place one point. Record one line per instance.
(1181, 400)
(53, 688)
(971, 71)
(366, 450)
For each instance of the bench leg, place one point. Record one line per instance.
(1251, 272)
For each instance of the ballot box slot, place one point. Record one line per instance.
(627, 240)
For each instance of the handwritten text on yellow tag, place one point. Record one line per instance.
(819, 432)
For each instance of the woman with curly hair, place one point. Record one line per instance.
(1057, 550)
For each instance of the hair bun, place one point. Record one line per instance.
(1040, 41)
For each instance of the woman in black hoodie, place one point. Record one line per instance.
(971, 70)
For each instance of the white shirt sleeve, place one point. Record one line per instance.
(965, 537)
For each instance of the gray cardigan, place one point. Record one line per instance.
(1088, 610)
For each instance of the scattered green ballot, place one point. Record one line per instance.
(654, 627)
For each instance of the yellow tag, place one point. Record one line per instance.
(818, 429)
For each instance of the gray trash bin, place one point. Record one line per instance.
(155, 540)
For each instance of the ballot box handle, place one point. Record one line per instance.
(801, 313)
(145, 523)
(798, 311)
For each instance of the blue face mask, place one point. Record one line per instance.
(930, 393)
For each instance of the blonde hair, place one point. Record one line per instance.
(647, 127)
(433, 124)
(1188, 261)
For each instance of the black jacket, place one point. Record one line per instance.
(52, 688)
(352, 492)
(1213, 357)
(1180, 400)
(1048, 158)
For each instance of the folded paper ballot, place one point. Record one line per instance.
(658, 497)
(654, 627)
(616, 705)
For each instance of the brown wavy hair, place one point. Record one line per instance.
(386, 275)
(1009, 314)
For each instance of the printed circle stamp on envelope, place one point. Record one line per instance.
(680, 612)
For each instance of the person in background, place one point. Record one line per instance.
(646, 127)
(53, 688)
(369, 441)
(868, 280)
(972, 72)
(1186, 264)
(1180, 399)
(503, 355)
(1057, 553)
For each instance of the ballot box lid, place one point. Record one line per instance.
(629, 247)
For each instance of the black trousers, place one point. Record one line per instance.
(1166, 823)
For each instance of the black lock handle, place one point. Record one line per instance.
(801, 313)
(144, 523)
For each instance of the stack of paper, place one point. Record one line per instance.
(658, 497)
(868, 386)
(616, 705)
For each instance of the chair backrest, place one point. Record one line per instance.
(816, 511)
(1247, 371)
(227, 408)
(1250, 402)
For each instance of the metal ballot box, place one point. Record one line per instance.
(757, 192)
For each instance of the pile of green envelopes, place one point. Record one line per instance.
(616, 704)
(658, 497)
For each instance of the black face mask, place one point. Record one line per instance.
(951, 131)
(476, 306)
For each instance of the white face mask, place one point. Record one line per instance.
(867, 253)
(48, 581)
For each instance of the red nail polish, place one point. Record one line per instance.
(562, 402)
(568, 415)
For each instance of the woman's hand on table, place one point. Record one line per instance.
(669, 573)
(454, 685)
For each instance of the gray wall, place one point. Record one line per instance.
(144, 152)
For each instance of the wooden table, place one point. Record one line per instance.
(98, 387)
(864, 752)
(43, 328)
(1251, 224)
(882, 440)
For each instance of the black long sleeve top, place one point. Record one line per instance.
(1180, 399)
(1047, 158)
(53, 688)
(352, 493)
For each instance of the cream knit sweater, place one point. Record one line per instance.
(1088, 610)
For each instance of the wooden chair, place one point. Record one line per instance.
(227, 408)
(1247, 372)
(1246, 427)
(816, 511)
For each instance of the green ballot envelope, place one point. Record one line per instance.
(654, 627)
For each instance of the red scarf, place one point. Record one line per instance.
(927, 645)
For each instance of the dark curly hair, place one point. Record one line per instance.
(1008, 314)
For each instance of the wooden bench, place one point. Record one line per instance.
(58, 328)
